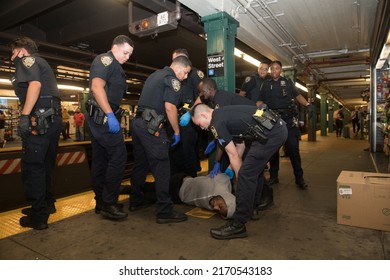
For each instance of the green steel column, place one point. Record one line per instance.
(323, 113)
(312, 123)
(221, 31)
(330, 115)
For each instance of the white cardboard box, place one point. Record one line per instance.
(363, 199)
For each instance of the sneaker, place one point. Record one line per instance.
(28, 211)
(175, 217)
(112, 211)
(26, 221)
(232, 229)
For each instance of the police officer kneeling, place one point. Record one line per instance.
(267, 133)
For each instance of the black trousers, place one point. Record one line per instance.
(39, 153)
(185, 156)
(150, 153)
(292, 147)
(109, 156)
(248, 188)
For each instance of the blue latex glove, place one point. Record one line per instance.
(215, 170)
(210, 147)
(185, 119)
(175, 139)
(113, 124)
(230, 173)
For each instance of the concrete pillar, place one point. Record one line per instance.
(323, 108)
(330, 114)
(312, 123)
(221, 30)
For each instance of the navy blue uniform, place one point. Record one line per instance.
(151, 152)
(279, 96)
(233, 120)
(109, 153)
(39, 151)
(223, 98)
(185, 157)
(251, 86)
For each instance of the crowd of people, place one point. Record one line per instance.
(177, 105)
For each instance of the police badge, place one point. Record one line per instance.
(283, 83)
(214, 132)
(28, 61)
(175, 84)
(200, 74)
(106, 60)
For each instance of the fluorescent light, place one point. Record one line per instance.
(5, 81)
(66, 87)
(301, 87)
(8, 97)
(246, 57)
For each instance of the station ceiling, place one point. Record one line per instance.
(327, 42)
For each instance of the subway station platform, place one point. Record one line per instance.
(301, 225)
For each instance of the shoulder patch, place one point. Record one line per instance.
(200, 74)
(28, 61)
(106, 60)
(214, 132)
(175, 84)
(247, 79)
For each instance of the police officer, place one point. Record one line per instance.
(39, 127)
(157, 105)
(280, 94)
(107, 87)
(252, 84)
(185, 157)
(211, 95)
(225, 124)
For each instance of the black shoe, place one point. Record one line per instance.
(230, 230)
(273, 181)
(28, 211)
(112, 211)
(175, 217)
(99, 206)
(26, 221)
(301, 184)
(266, 201)
(143, 205)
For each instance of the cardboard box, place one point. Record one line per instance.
(363, 200)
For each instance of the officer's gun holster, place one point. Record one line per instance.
(154, 120)
(39, 120)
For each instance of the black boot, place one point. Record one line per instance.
(232, 229)
(112, 211)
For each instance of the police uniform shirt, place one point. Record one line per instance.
(160, 87)
(34, 68)
(231, 120)
(278, 94)
(189, 87)
(251, 86)
(223, 98)
(106, 67)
